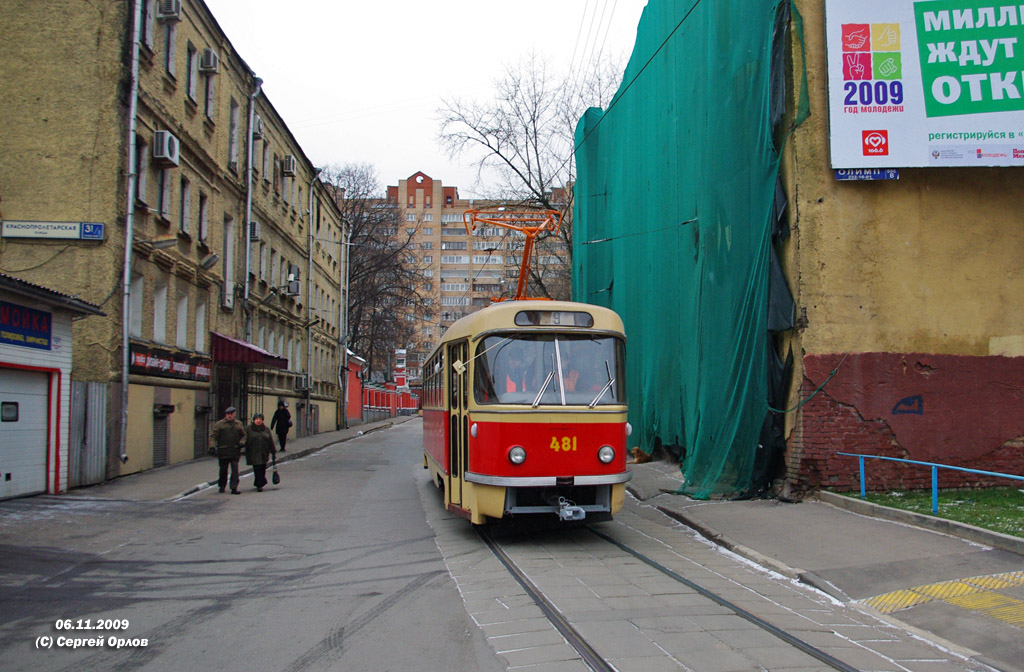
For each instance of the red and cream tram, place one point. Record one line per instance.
(524, 412)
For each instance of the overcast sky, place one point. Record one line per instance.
(360, 81)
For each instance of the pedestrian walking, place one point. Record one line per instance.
(227, 437)
(259, 447)
(280, 423)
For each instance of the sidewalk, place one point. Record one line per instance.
(881, 559)
(184, 478)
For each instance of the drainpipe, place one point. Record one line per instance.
(344, 330)
(309, 301)
(129, 225)
(248, 209)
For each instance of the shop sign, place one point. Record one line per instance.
(24, 326)
(927, 83)
(53, 230)
(150, 361)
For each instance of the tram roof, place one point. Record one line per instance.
(502, 315)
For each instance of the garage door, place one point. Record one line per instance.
(23, 445)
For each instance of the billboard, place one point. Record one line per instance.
(936, 83)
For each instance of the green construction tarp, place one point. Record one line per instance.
(675, 202)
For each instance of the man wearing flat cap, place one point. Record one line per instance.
(227, 437)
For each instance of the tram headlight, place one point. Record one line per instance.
(517, 455)
(629, 429)
(606, 454)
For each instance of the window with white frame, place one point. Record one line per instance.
(261, 338)
(428, 217)
(454, 259)
(229, 252)
(453, 245)
(451, 218)
(428, 258)
(201, 220)
(427, 245)
(410, 217)
(200, 345)
(233, 128)
(163, 192)
(160, 311)
(148, 23)
(266, 159)
(136, 289)
(192, 71)
(181, 323)
(186, 205)
(141, 169)
(263, 261)
(208, 82)
(170, 38)
(428, 231)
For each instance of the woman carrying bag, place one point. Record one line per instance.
(281, 422)
(259, 449)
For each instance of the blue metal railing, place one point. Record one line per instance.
(935, 474)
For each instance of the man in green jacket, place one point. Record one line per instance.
(228, 437)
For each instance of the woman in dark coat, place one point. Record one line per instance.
(280, 423)
(259, 446)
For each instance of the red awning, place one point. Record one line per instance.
(227, 350)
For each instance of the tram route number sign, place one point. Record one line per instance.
(563, 444)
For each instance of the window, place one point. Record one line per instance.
(181, 325)
(201, 327)
(453, 245)
(452, 232)
(451, 218)
(428, 245)
(262, 338)
(298, 366)
(208, 106)
(454, 300)
(266, 159)
(428, 259)
(428, 231)
(454, 259)
(410, 217)
(486, 259)
(411, 232)
(135, 296)
(270, 341)
(163, 192)
(192, 72)
(148, 21)
(233, 136)
(455, 287)
(141, 169)
(201, 219)
(170, 37)
(428, 217)
(160, 312)
(186, 205)
(263, 261)
(229, 253)
(428, 273)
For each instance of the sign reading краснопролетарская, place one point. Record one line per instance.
(54, 230)
(930, 83)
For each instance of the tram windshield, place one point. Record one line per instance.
(550, 369)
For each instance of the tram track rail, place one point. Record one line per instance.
(590, 655)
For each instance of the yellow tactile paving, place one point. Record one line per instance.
(946, 589)
(896, 600)
(975, 594)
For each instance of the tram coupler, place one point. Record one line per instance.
(567, 511)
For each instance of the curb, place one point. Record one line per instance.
(1005, 542)
(292, 455)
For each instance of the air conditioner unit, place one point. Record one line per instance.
(168, 10)
(292, 288)
(302, 382)
(166, 148)
(257, 128)
(294, 272)
(209, 62)
(254, 231)
(291, 165)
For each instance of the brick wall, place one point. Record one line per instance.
(955, 410)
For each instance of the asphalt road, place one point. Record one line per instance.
(336, 569)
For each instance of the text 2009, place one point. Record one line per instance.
(90, 624)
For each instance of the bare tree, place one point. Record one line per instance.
(524, 135)
(382, 282)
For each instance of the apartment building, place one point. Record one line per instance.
(213, 251)
(460, 273)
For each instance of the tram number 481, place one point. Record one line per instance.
(565, 444)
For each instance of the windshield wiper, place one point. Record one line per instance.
(607, 386)
(536, 400)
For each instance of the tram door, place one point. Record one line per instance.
(458, 419)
